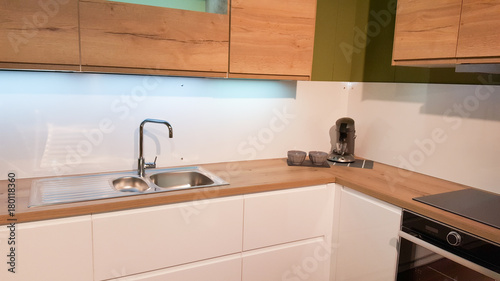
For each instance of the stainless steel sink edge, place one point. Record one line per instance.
(62, 190)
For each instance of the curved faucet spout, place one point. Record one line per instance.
(141, 162)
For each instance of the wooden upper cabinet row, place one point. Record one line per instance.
(447, 32)
(269, 39)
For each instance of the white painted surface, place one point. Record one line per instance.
(278, 217)
(218, 269)
(136, 241)
(304, 260)
(69, 123)
(56, 250)
(367, 247)
(447, 131)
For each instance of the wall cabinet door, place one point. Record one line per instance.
(39, 34)
(367, 239)
(122, 37)
(56, 250)
(479, 40)
(278, 217)
(135, 241)
(219, 269)
(304, 260)
(272, 38)
(426, 32)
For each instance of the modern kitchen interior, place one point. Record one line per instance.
(151, 141)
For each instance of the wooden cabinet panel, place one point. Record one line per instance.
(278, 217)
(272, 37)
(135, 241)
(128, 36)
(56, 250)
(367, 239)
(426, 30)
(39, 34)
(479, 36)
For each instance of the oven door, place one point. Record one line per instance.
(420, 260)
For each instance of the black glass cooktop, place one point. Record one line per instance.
(475, 204)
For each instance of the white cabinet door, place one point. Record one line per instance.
(368, 238)
(55, 250)
(219, 269)
(283, 216)
(135, 241)
(304, 260)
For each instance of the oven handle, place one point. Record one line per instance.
(448, 255)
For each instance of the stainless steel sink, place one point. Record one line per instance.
(179, 180)
(130, 184)
(60, 190)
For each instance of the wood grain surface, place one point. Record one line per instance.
(426, 29)
(272, 37)
(479, 36)
(393, 185)
(126, 35)
(41, 33)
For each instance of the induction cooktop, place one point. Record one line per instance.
(475, 204)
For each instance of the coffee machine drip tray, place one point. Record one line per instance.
(346, 158)
(475, 204)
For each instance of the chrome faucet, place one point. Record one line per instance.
(142, 165)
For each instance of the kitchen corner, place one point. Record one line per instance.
(384, 182)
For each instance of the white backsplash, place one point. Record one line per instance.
(447, 131)
(70, 123)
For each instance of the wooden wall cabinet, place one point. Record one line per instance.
(479, 39)
(269, 39)
(446, 32)
(272, 38)
(131, 38)
(426, 32)
(39, 34)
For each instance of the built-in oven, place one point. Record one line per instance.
(430, 250)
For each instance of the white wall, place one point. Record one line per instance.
(69, 123)
(447, 131)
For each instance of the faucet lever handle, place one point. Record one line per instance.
(151, 165)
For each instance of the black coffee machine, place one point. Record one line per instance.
(344, 147)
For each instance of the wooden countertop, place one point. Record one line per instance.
(387, 183)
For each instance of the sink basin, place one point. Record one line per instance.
(59, 190)
(130, 184)
(179, 180)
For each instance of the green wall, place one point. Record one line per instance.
(192, 5)
(354, 40)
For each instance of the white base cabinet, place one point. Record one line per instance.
(287, 234)
(367, 246)
(140, 240)
(303, 260)
(55, 250)
(218, 269)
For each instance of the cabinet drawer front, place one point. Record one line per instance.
(278, 217)
(135, 241)
(56, 250)
(219, 269)
(305, 260)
